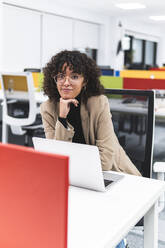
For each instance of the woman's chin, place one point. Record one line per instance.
(66, 96)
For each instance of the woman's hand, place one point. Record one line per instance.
(65, 106)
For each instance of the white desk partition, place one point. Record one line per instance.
(101, 220)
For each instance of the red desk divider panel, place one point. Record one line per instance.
(33, 198)
(143, 84)
(157, 69)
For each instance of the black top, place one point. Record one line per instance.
(74, 119)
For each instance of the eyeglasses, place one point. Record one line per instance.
(73, 78)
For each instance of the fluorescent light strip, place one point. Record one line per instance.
(129, 6)
(157, 18)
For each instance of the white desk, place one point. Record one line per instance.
(24, 95)
(137, 108)
(101, 220)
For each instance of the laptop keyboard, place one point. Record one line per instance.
(107, 182)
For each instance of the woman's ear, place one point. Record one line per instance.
(85, 83)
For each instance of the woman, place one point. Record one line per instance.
(77, 110)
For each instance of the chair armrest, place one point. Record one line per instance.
(10, 101)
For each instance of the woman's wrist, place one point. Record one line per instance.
(62, 116)
(63, 121)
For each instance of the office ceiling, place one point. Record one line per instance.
(153, 7)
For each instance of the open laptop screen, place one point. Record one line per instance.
(133, 118)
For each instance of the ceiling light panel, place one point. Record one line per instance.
(158, 18)
(130, 6)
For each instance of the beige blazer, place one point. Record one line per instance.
(97, 128)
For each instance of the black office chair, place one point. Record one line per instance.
(133, 122)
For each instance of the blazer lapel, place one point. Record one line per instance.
(85, 121)
(56, 111)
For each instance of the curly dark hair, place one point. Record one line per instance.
(77, 62)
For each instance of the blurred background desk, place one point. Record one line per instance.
(39, 96)
(138, 108)
(117, 105)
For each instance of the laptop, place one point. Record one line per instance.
(84, 163)
(34, 198)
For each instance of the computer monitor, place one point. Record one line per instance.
(15, 90)
(133, 120)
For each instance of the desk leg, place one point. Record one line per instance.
(4, 132)
(151, 227)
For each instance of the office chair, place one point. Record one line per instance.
(20, 110)
(132, 120)
(128, 132)
(131, 123)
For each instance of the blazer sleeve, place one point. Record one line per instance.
(112, 155)
(53, 128)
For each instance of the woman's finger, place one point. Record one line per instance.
(75, 102)
(68, 101)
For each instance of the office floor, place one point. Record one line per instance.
(135, 236)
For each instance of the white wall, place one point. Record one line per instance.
(161, 50)
(88, 32)
(109, 32)
(85, 34)
(57, 35)
(1, 28)
(21, 39)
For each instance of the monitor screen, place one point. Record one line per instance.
(133, 118)
(16, 86)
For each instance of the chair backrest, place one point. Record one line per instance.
(133, 120)
(18, 87)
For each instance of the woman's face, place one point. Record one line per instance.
(69, 84)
